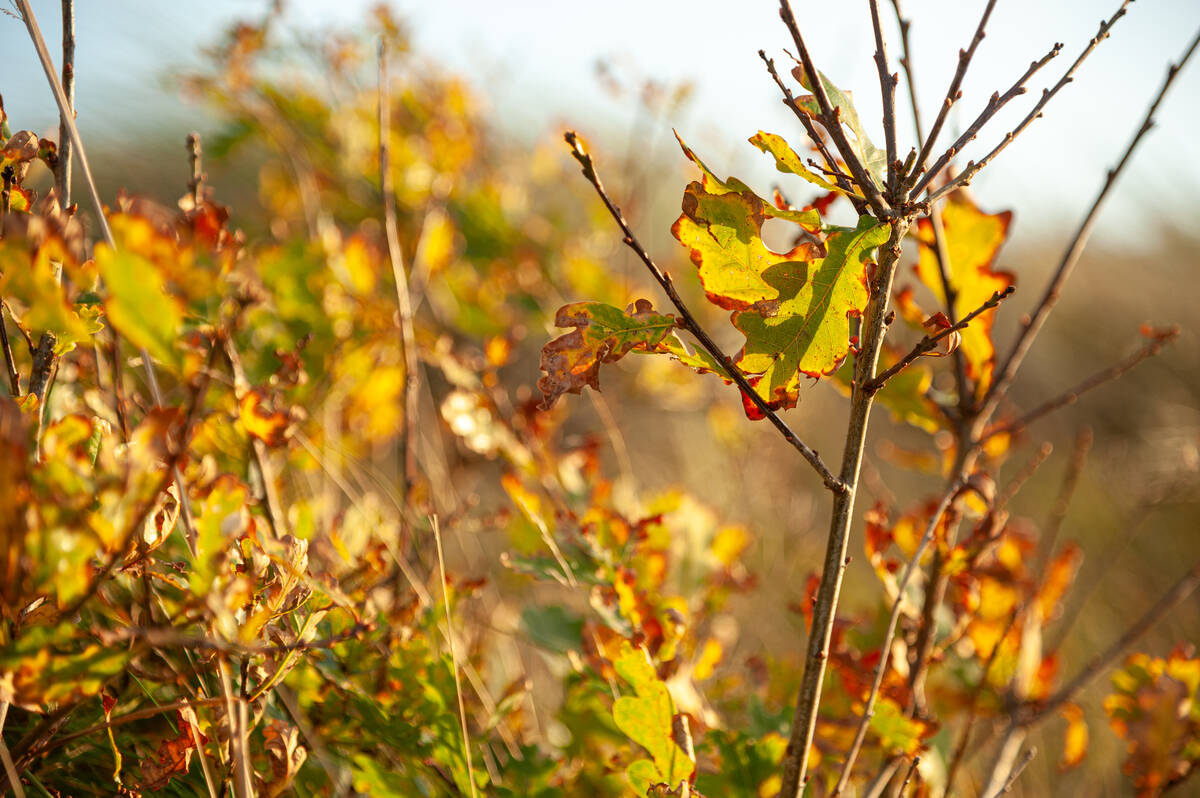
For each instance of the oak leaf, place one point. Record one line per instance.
(603, 334)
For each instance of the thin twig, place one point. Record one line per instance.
(276, 516)
(1006, 372)
(831, 167)
(887, 89)
(953, 93)
(1039, 456)
(973, 168)
(67, 116)
(1101, 662)
(408, 340)
(10, 770)
(1058, 512)
(996, 102)
(1015, 774)
(10, 367)
(912, 768)
(941, 250)
(973, 708)
(62, 172)
(930, 342)
(688, 321)
(831, 118)
(885, 650)
(1159, 339)
(462, 710)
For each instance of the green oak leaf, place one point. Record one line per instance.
(808, 331)
(870, 156)
(647, 720)
(788, 162)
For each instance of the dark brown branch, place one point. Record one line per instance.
(930, 342)
(689, 323)
(885, 651)
(1006, 372)
(973, 168)
(953, 93)
(10, 366)
(887, 89)
(831, 120)
(62, 170)
(1159, 339)
(908, 776)
(831, 167)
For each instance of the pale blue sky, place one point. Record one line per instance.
(534, 61)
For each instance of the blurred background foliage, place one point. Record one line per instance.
(684, 514)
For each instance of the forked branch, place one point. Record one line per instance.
(831, 118)
(973, 168)
(1008, 370)
(689, 323)
(1158, 340)
(930, 342)
(953, 93)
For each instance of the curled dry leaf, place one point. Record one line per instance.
(947, 344)
(603, 334)
(286, 755)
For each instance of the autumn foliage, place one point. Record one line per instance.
(281, 511)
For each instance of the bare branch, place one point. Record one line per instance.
(993, 106)
(974, 168)
(930, 342)
(831, 167)
(1159, 339)
(953, 93)
(833, 570)
(1014, 774)
(885, 651)
(62, 171)
(831, 120)
(1102, 661)
(887, 88)
(1005, 374)
(689, 323)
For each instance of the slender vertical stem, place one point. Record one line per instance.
(887, 87)
(408, 341)
(804, 723)
(885, 652)
(62, 175)
(462, 710)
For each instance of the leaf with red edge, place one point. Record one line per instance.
(973, 241)
(603, 334)
(809, 331)
(173, 757)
